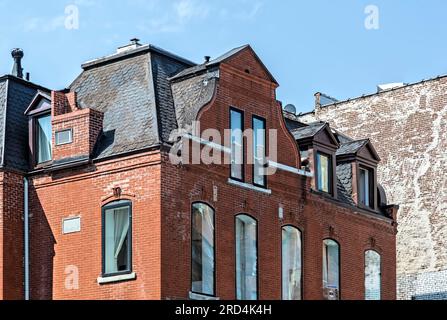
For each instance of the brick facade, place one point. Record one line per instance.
(67, 266)
(407, 125)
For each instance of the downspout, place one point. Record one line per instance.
(26, 240)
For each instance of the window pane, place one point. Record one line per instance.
(203, 249)
(116, 246)
(246, 258)
(259, 151)
(291, 263)
(324, 166)
(364, 192)
(372, 276)
(237, 145)
(64, 137)
(44, 139)
(331, 274)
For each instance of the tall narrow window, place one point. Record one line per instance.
(259, 152)
(203, 264)
(43, 139)
(246, 258)
(331, 267)
(365, 189)
(117, 239)
(373, 275)
(291, 264)
(324, 173)
(237, 144)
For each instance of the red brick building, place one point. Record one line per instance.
(95, 208)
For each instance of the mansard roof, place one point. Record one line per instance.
(16, 95)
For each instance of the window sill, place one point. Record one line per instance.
(120, 278)
(248, 186)
(201, 297)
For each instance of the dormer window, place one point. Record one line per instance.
(324, 173)
(366, 187)
(43, 134)
(40, 129)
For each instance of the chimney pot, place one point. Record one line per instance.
(207, 59)
(17, 69)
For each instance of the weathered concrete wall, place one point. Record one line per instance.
(408, 127)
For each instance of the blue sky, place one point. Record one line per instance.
(309, 46)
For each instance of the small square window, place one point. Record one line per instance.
(64, 137)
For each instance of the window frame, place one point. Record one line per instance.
(330, 173)
(371, 186)
(57, 143)
(302, 261)
(35, 136)
(264, 121)
(104, 209)
(339, 266)
(233, 109)
(257, 255)
(214, 252)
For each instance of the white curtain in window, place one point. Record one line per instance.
(331, 266)
(373, 277)
(117, 229)
(291, 263)
(246, 258)
(44, 134)
(323, 174)
(203, 249)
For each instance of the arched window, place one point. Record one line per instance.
(117, 238)
(331, 269)
(203, 261)
(291, 263)
(373, 275)
(246, 258)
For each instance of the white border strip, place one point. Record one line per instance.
(283, 167)
(224, 149)
(248, 186)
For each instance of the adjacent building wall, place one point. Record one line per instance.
(408, 128)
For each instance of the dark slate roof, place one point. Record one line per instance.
(3, 99)
(15, 96)
(308, 132)
(344, 183)
(352, 147)
(190, 96)
(135, 95)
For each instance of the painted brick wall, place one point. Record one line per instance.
(407, 126)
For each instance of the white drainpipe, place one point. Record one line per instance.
(26, 240)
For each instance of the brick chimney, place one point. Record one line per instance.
(75, 130)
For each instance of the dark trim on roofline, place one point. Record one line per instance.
(127, 54)
(24, 82)
(363, 211)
